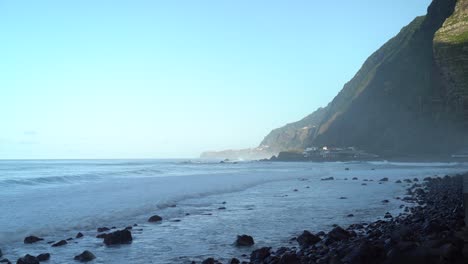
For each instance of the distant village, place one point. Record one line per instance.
(325, 154)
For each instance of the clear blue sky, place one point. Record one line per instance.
(155, 79)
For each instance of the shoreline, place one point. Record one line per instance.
(138, 229)
(433, 231)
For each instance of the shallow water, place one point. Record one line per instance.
(56, 199)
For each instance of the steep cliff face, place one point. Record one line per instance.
(451, 56)
(396, 104)
(294, 135)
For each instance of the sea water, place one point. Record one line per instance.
(272, 202)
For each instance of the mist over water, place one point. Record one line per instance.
(56, 199)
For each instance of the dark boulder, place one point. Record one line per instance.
(365, 253)
(289, 258)
(6, 261)
(155, 218)
(101, 235)
(209, 261)
(327, 179)
(244, 241)
(258, 256)
(398, 181)
(85, 256)
(60, 243)
(79, 235)
(234, 261)
(354, 178)
(43, 257)
(102, 229)
(32, 239)
(384, 179)
(339, 234)
(118, 237)
(27, 259)
(307, 239)
(222, 208)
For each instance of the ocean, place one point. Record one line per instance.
(271, 201)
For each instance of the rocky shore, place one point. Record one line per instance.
(431, 231)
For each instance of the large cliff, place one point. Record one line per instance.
(400, 101)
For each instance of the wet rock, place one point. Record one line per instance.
(416, 179)
(342, 198)
(118, 237)
(350, 215)
(102, 229)
(60, 243)
(363, 184)
(258, 256)
(209, 261)
(43, 257)
(79, 235)
(338, 234)
(407, 181)
(346, 168)
(234, 261)
(307, 239)
(222, 208)
(398, 181)
(295, 190)
(6, 261)
(155, 218)
(244, 241)
(385, 201)
(289, 258)
(32, 239)
(327, 179)
(129, 228)
(365, 253)
(388, 215)
(355, 179)
(27, 259)
(384, 179)
(85, 256)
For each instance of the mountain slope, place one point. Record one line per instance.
(396, 102)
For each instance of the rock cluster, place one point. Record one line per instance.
(433, 232)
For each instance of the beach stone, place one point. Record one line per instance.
(289, 258)
(85, 256)
(60, 243)
(102, 229)
(338, 234)
(209, 261)
(155, 218)
(384, 179)
(118, 237)
(307, 239)
(27, 259)
(43, 257)
(244, 241)
(32, 239)
(365, 253)
(259, 255)
(79, 235)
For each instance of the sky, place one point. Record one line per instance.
(170, 79)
